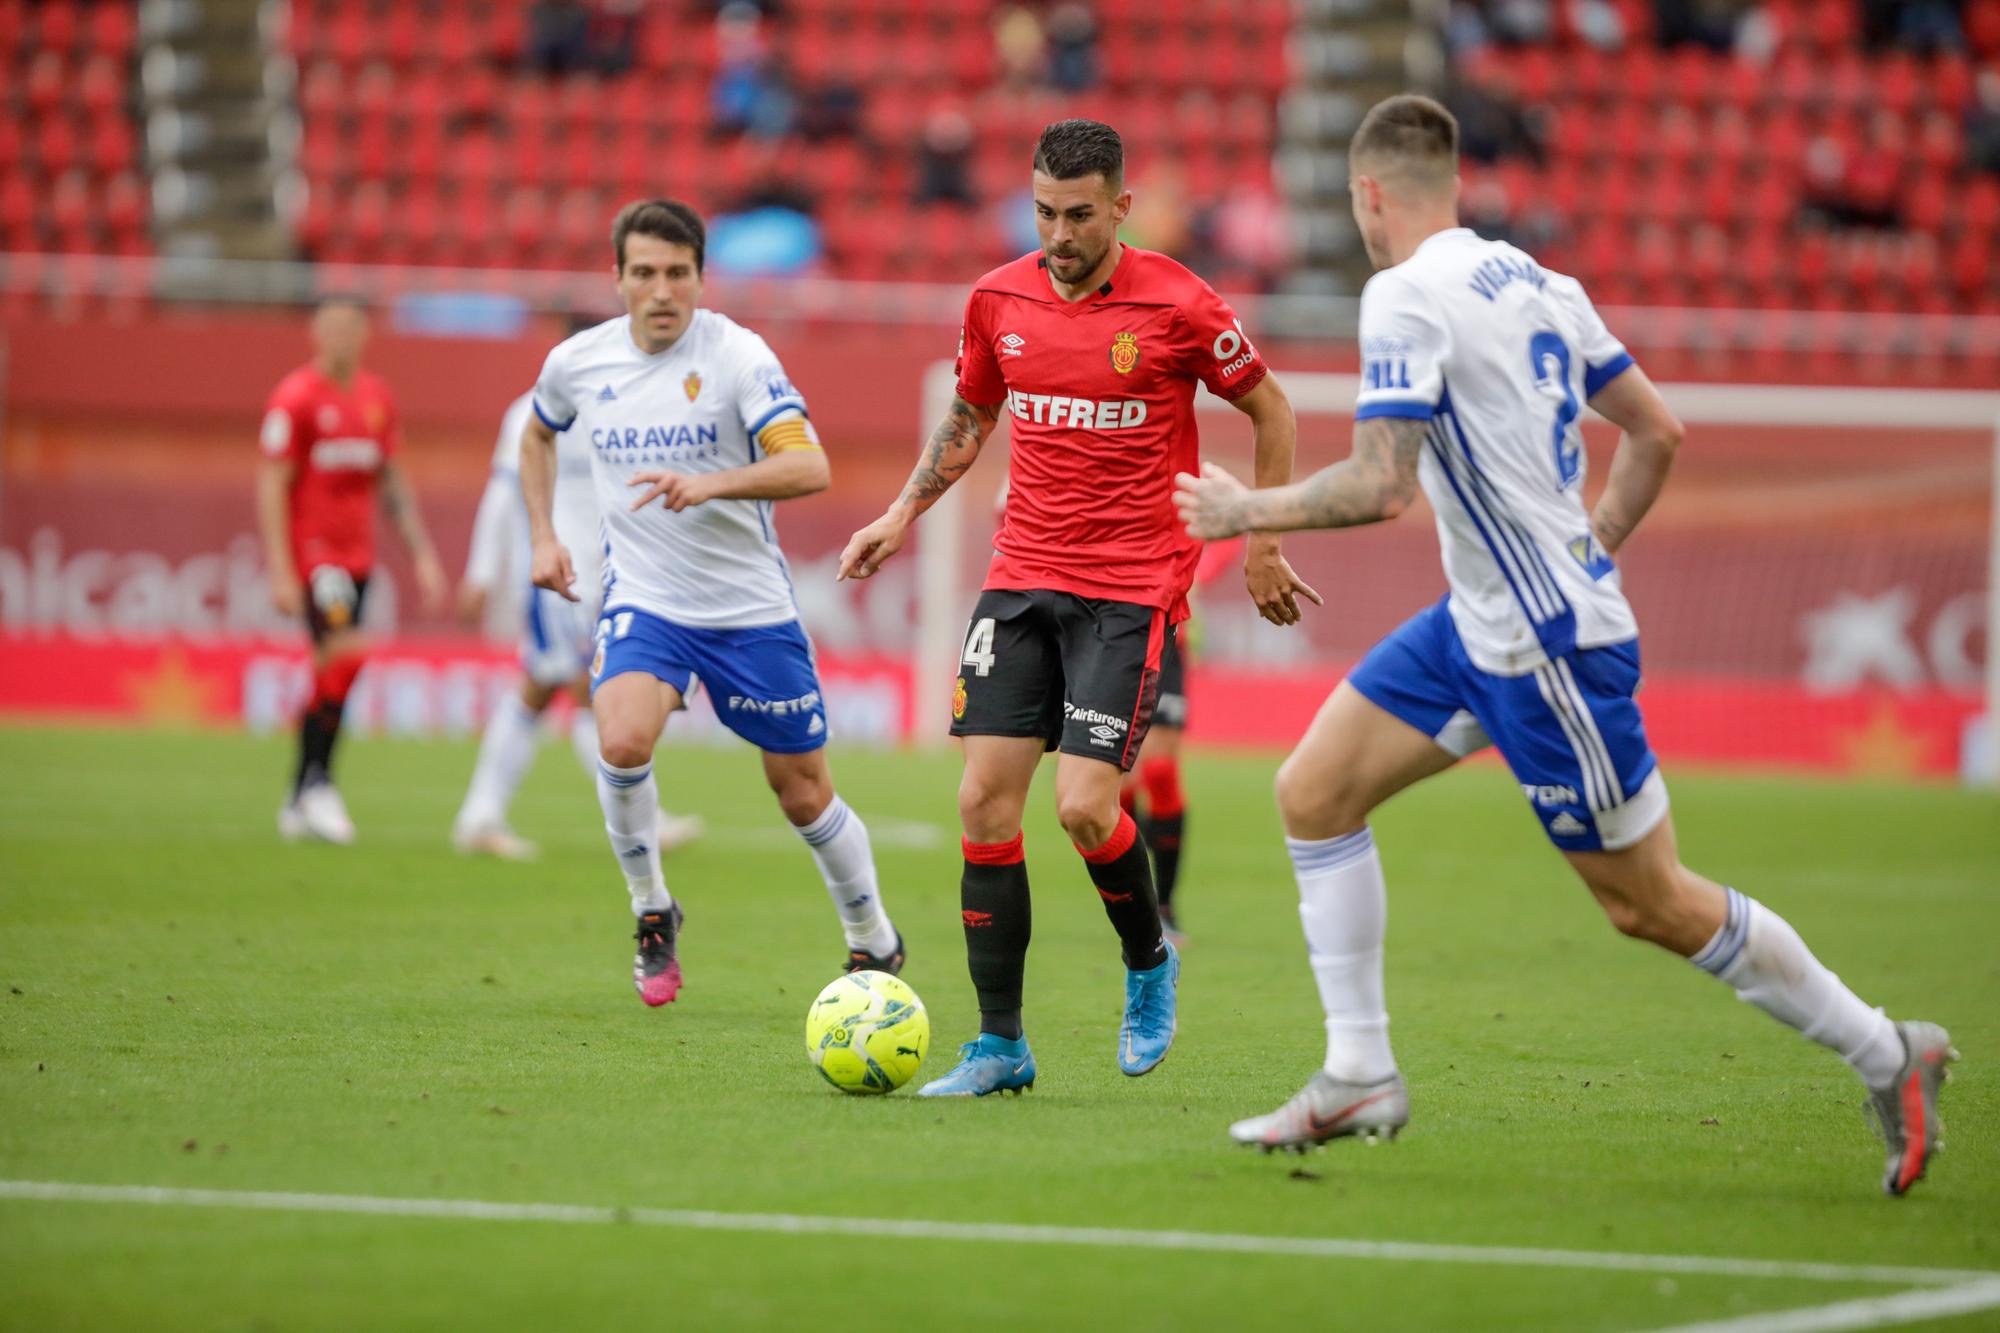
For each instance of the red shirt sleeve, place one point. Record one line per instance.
(979, 379)
(283, 432)
(1220, 353)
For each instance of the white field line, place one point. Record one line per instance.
(797, 1224)
(1871, 1312)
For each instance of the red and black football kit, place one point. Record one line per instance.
(1091, 565)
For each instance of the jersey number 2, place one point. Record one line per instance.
(1548, 358)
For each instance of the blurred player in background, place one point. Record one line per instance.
(1152, 793)
(329, 443)
(1095, 347)
(682, 406)
(557, 636)
(1475, 363)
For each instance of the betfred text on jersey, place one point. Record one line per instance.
(1078, 413)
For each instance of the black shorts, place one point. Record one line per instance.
(1080, 673)
(1172, 710)
(333, 600)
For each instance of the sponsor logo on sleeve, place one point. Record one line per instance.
(1233, 350)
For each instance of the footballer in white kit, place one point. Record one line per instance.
(694, 433)
(557, 638)
(1476, 363)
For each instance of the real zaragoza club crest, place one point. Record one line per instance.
(1124, 352)
(692, 384)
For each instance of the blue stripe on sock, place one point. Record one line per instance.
(829, 825)
(1716, 956)
(624, 777)
(1317, 857)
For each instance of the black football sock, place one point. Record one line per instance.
(1163, 837)
(993, 897)
(312, 750)
(1124, 880)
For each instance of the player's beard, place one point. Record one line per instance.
(1078, 267)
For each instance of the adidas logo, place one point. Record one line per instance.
(1567, 825)
(604, 395)
(636, 852)
(815, 727)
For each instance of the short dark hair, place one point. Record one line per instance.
(1411, 132)
(345, 299)
(667, 220)
(1071, 149)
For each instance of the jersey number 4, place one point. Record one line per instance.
(1548, 359)
(979, 647)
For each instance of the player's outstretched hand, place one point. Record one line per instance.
(680, 490)
(288, 595)
(552, 570)
(869, 548)
(1211, 505)
(1274, 587)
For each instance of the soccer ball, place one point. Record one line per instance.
(867, 1032)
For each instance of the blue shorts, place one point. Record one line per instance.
(761, 681)
(1569, 729)
(555, 637)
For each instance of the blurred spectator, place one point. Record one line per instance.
(558, 36)
(1599, 23)
(613, 29)
(1491, 124)
(830, 111)
(1522, 22)
(1858, 188)
(1253, 231)
(944, 160)
(1161, 217)
(1708, 23)
(1982, 123)
(749, 94)
(1465, 29)
(1019, 47)
(1072, 48)
(1920, 25)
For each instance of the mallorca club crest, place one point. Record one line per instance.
(958, 699)
(692, 384)
(1124, 352)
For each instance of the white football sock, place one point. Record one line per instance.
(631, 802)
(1345, 910)
(839, 842)
(506, 752)
(583, 739)
(1759, 955)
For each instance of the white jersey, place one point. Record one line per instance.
(500, 532)
(1499, 356)
(696, 407)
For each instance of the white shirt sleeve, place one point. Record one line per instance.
(761, 389)
(553, 401)
(1604, 357)
(1404, 344)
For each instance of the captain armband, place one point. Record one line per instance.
(791, 432)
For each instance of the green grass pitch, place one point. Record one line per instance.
(185, 1002)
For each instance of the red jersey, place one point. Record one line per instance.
(1101, 392)
(338, 438)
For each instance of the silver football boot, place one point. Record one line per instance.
(1905, 1112)
(1328, 1108)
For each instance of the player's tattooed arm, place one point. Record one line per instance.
(1375, 482)
(947, 455)
(949, 452)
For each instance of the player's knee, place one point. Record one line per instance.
(803, 797)
(1089, 819)
(1317, 803)
(623, 746)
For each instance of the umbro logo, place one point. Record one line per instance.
(1567, 825)
(604, 395)
(1011, 344)
(976, 919)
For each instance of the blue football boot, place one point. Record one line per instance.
(1147, 1033)
(989, 1064)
